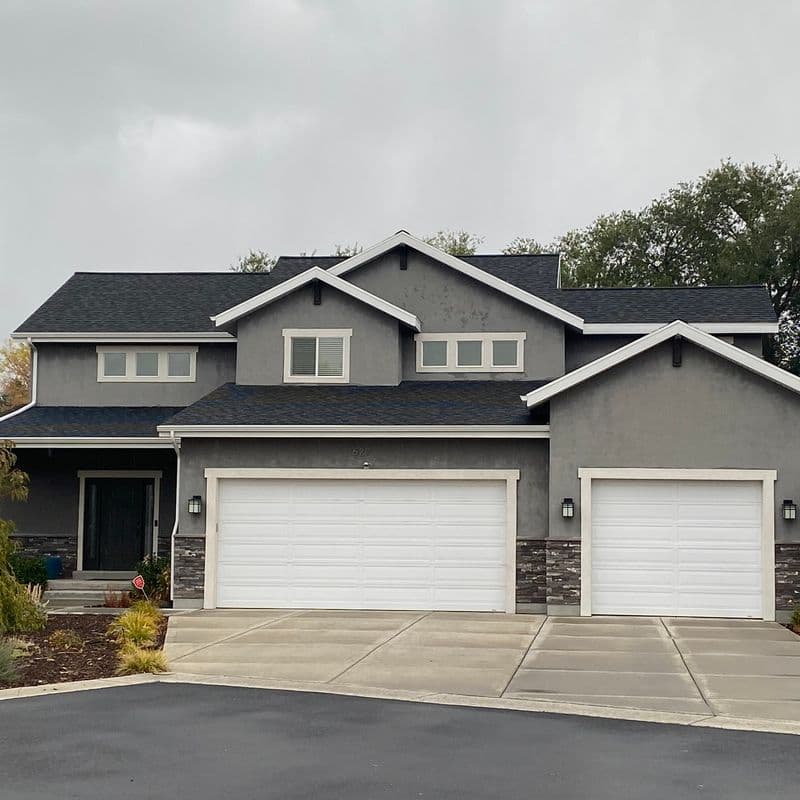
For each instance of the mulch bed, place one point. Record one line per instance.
(96, 658)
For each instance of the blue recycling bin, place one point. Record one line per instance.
(54, 567)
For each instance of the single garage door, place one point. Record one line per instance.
(375, 544)
(684, 548)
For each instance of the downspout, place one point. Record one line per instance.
(34, 382)
(177, 445)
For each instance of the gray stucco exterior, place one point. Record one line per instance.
(447, 302)
(374, 345)
(67, 376)
(708, 413)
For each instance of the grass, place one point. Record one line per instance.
(63, 639)
(134, 660)
(148, 609)
(137, 628)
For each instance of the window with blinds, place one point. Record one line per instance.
(317, 358)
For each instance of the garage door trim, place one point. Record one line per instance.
(214, 476)
(767, 477)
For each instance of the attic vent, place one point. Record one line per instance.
(317, 293)
(404, 257)
(677, 351)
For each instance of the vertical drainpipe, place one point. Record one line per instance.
(177, 445)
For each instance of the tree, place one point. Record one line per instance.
(348, 250)
(255, 261)
(737, 223)
(15, 375)
(457, 243)
(525, 245)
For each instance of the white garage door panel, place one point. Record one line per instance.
(406, 544)
(689, 548)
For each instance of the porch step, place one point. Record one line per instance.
(65, 593)
(88, 586)
(103, 575)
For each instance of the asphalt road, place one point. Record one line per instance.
(198, 742)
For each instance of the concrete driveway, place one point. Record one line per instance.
(703, 667)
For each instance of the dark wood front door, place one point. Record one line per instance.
(117, 522)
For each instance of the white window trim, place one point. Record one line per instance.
(130, 365)
(486, 340)
(214, 476)
(156, 476)
(318, 333)
(766, 477)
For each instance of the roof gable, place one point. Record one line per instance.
(324, 276)
(677, 328)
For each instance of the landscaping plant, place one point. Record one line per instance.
(65, 639)
(8, 654)
(112, 599)
(148, 609)
(795, 620)
(29, 569)
(155, 571)
(136, 628)
(133, 660)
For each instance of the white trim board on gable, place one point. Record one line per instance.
(404, 238)
(677, 328)
(304, 278)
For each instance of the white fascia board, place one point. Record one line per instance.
(154, 337)
(403, 238)
(639, 328)
(97, 442)
(677, 328)
(356, 431)
(315, 274)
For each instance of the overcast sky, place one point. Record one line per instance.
(176, 135)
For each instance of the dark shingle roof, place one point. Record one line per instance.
(67, 421)
(410, 403)
(138, 302)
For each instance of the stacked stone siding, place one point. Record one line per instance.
(190, 562)
(531, 572)
(64, 546)
(787, 576)
(563, 572)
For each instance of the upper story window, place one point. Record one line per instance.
(146, 364)
(316, 356)
(470, 352)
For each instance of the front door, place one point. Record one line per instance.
(118, 522)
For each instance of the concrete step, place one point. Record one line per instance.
(74, 597)
(88, 586)
(103, 575)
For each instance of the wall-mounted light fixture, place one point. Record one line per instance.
(568, 508)
(789, 509)
(195, 504)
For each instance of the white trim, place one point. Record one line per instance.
(356, 431)
(316, 333)
(154, 337)
(315, 274)
(94, 442)
(636, 328)
(766, 477)
(130, 375)
(34, 386)
(214, 475)
(486, 340)
(404, 238)
(83, 474)
(677, 328)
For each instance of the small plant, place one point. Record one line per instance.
(8, 655)
(133, 660)
(28, 569)
(148, 609)
(795, 620)
(112, 599)
(64, 639)
(155, 571)
(134, 628)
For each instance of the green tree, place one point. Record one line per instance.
(15, 375)
(348, 250)
(255, 261)
(457, 243)
(525, 245)
(737, 223)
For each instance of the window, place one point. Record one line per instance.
(146, 365)
(316, 356)
(470, 352)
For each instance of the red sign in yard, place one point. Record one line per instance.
(138, 583)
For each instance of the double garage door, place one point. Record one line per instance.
(361, 544)
(683, 548)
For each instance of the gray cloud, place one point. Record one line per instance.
(178, 134)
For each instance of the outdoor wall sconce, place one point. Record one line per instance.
(195, 504)
(789, 509)
(568, 508)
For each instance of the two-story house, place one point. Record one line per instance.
(404, 429)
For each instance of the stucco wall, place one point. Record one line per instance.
(708, 413)
(374, 345)
(527, 455)
(68, 377)
(448, 302)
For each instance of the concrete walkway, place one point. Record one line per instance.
(703, 667)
